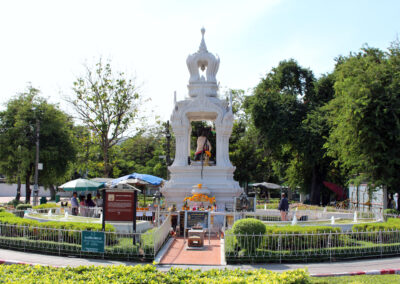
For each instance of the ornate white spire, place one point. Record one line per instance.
(203, 47)
(206, 62)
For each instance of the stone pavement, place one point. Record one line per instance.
(178, 254)
(313, 268)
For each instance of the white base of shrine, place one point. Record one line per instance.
(219, 181)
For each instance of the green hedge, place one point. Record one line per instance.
(23, 206)
(391, 211)
(276, 238)
(72, 235)
(392, 224)
(2, 209)
(46, 206)
(145, 274)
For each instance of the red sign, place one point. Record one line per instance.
(119, 206)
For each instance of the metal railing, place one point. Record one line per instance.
(126, 246)
(311, 246)
(162, 233)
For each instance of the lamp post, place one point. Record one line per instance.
(36, 186)
(157, 197)
(168, 158)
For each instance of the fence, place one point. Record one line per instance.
(126, 246)
(310, 247)
(162, 234)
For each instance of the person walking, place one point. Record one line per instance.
(74, 204)
(284, 207)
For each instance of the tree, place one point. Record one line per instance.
(107, 103)
(18, 137)
(364, 116)
(244, 143)
(285, 109)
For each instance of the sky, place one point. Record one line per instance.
(47, 43)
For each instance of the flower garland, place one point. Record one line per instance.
(198, 197)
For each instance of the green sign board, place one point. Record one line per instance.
(93, 241)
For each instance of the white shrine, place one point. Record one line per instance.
(202, 104)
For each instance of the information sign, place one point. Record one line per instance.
(195, 218)
(119, 205)
(93, 241)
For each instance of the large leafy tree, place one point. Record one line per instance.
(285, 109)
(18, 128)
(364, 115)
(107, 102)
(246, 150)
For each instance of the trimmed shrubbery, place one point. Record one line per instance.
(23, 206)
(391, 225)
(145, 274)
(391, 212)
(36, 229)
(46, 206)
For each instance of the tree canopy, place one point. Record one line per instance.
(18, 127)
(364, 115)
(107, 102)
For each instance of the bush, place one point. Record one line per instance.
(2, 209)
(14, 202)
(391, 211)
(245, 229)
(249, 226)
(392, 224)
(46, 206)
(23, 206)
(37, 229)
(145, 274)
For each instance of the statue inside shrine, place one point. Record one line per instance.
(203, 144)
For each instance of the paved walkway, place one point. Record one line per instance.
(314, 268)
(178, 254)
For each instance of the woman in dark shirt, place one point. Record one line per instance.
(284, 207)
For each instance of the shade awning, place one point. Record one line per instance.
(82, 184)
(266, 185)
(136, 178)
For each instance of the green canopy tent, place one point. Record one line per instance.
(81, 184)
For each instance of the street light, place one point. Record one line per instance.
(157, 198)
(167, 158)
(36, 186)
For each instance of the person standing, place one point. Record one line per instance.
(74, 204)
(284, 207)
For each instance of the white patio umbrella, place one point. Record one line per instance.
(267, 185)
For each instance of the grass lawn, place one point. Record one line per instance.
(359, 279)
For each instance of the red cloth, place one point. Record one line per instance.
(336, 189)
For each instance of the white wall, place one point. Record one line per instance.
(10, 190)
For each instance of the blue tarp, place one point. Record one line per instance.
(147, 178)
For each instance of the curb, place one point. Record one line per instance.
(11, 262)
(371, 272)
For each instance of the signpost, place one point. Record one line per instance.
(93, 241)
(120, 205)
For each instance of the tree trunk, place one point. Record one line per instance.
(27, 186)
(316, 186)
(18, 196)
(106, 160)
(52, 192)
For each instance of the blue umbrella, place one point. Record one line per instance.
(147, 178)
